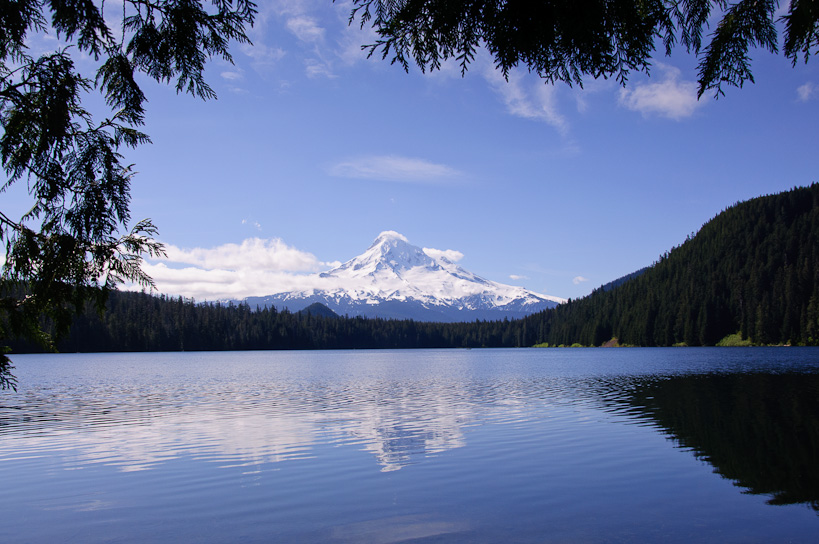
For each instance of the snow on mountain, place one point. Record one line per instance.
(395, 279)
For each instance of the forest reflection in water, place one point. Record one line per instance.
(462, 437)
(758, 429)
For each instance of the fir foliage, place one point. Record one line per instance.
(75, 243)
(566, 40)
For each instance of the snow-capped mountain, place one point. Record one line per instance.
(395, 279)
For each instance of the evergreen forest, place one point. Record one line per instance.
(751, 272)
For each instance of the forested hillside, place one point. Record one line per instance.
(754, 269)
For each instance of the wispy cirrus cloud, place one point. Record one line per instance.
(394, 168)
(316, 67)
(306, 21)
(232, 75)
(233, 79)
(517, 277)
(311, 34)
(263, 56)
(527, 98)
(577, 280)
(670, 97)
(352, 37)
(291, 7)
(306, 29)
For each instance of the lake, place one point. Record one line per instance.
(518, 445)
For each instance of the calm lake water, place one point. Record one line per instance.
(527, 445)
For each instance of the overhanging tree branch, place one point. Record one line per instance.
(568, 41)
(68, 248)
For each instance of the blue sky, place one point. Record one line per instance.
(311, 150)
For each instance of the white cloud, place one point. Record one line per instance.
(669, 97)
(352, 38)
(517, 277)
(318, 68)
(220, 284)
(577, 280)
(305, 29)
(537, 101)
(393, 234)
(251, 254)
(263, 57)
(394, 168)
(289, 7)
(255, 267)
(234, 75)
(452, 255)
(807, 91)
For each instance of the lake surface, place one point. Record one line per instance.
(526, 445)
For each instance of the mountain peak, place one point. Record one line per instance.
(390, 250)
(389, 235)
(394, 278)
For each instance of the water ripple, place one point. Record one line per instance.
(281, 433)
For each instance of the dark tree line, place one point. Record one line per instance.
(754, 269)
(142, 322)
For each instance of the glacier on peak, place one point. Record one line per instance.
(395, 279)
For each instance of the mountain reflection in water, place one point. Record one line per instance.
(135, 429)
(384, 446)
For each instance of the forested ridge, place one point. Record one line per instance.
(753, 270)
